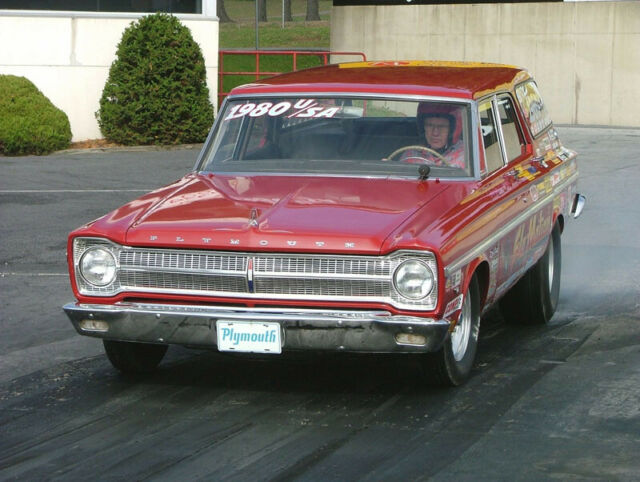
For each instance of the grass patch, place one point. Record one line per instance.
(271, 35)
(244, 11)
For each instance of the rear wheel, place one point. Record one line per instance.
(451, 365)
(533, 300)
(134, 358)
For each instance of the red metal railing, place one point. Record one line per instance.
(324, 55)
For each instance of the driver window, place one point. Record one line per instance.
(511, 132)
(492, 152)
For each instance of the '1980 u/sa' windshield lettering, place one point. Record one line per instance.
(303, 108)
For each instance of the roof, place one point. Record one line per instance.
(455, 79)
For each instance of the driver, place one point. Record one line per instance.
(440, 125)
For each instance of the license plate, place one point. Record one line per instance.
(249, 336)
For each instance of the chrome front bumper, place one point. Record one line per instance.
(301, 329)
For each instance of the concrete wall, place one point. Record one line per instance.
(68, 55)
(584, 55)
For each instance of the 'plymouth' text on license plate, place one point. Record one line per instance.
(247, 336)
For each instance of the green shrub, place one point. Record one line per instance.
(156, 92)
(29, 122)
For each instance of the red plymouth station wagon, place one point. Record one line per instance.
(376, 207)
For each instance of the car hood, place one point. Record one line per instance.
(281, 213)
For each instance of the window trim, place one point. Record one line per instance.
(498, 126)
(496, 116)
(493, 98)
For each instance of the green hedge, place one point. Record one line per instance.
(156, 92)
(29, 122)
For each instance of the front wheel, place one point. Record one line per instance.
(451, 365)
(134, 358)
(533, 299)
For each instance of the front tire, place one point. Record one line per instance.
(533, 300)
(134, 358)
(451, 365)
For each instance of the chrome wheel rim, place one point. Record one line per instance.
(550, 265)
(462, 332)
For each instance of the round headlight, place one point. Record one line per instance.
(413, 279)
(98, 266)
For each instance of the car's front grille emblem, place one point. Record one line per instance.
(250, 275)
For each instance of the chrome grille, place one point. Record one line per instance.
(177, 260)
(257, 275)
(320, 265)
(136, 280)
(322, 287)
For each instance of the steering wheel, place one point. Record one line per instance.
(423, 148)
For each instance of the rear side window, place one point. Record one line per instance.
(511, 132)
(492, 152)
(533, 107)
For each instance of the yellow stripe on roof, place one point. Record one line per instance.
(421, 63)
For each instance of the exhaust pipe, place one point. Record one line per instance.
(578, 205)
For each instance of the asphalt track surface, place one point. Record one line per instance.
(543, 403)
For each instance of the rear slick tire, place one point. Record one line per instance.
(134, 358)
(451, 365)
(533, 300)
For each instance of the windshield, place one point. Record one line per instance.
(340, 136)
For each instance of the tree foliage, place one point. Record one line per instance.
(156, 92)
(29, 122)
